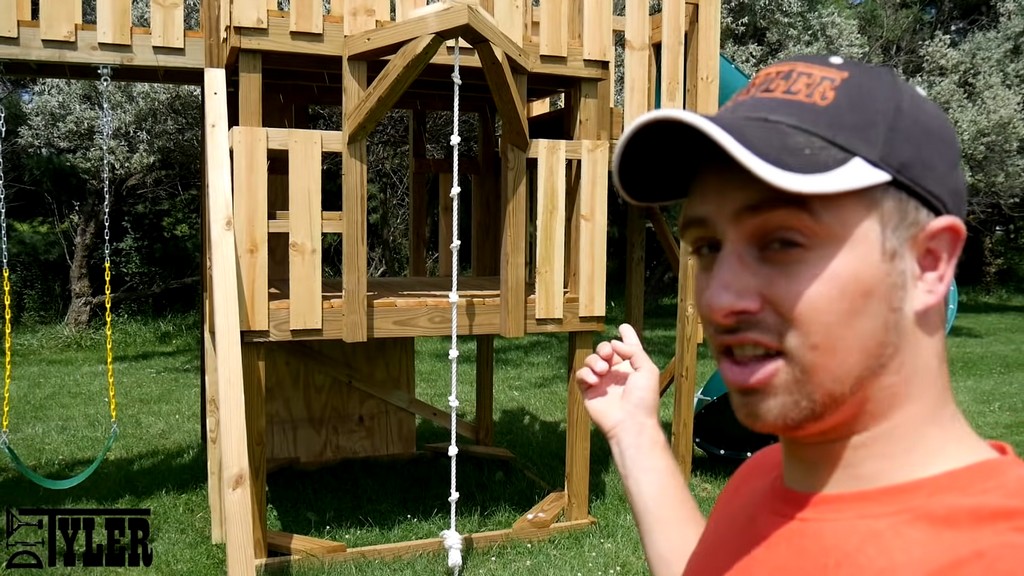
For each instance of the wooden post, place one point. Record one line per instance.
(577, 433)
(637, 80)
(513, 247)
(354, 173)
(417, 194)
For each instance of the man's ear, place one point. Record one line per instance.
(937, 250)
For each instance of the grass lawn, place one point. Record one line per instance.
(59, 420)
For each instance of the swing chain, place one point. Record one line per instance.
(4, 441)
(107, 127)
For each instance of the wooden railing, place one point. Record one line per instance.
(61, 20)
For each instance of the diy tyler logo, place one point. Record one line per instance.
(77, 537)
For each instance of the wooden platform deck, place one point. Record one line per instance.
(405, 307)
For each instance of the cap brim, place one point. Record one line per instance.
(661, 152)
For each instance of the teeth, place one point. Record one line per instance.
(749, 351)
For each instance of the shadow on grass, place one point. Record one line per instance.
(986, 306)
(386, 493)
(122, 476)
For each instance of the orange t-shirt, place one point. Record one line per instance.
(967, 521)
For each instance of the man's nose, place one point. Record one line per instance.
(728, 290)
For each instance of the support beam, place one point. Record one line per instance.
(515, 127)
(392, 82)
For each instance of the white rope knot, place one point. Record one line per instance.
(453, 543)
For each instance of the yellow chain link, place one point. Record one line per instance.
(110, 350)
(7, 346)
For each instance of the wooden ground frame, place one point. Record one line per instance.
(276, 328)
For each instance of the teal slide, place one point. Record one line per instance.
(716, 430)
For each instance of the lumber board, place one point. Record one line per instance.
(391, 83)
(372, 43)
(405, 8)
(597, 30)
(474, 318)
(24, 9)
(235, 477)
(573, 148)
(330, 222)
(394, 396)
(8, 20)
(114, 21)
(513, 241)
(417, 193)
(550, 268)
(313, 418)
(475, 541)
(543, 514)
(167, 23)
(249, 13)
(56, 22)
(298, 544)
(577, 432)
(254, 379)
(31, 46)
(305, 169)
(593, 227)
(306, 16)
(510, 17)
(354, 191)
(280, 138)
(554, 31)
(685, 368)
(250, 205)
(709, 16)
(635, 60)
(359, 15)
(673, 45)
(276, 36)
(507, 95)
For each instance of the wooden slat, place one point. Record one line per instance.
(371, 42)
(673, 41)
(330, 222)
(249, 146)
(405, 8)
(593, 227)
(554, 32)
(306, 16)
(550, 229)
(709, 15)
(8, 20)
(235, 477)
(337, 8)
(24, 9)
(249, 13)
(382, 11)
(114, 21)
(276, 37)
(167, 23)
(597, 30)
(56, 22)
(353, 186)
(302, 545)
(331, 140)
(509, 15)
(305, 275)
(360, 15)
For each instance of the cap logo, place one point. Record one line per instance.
(797, 81)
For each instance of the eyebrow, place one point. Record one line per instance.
(764, 205)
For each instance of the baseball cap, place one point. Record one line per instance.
(811, 124)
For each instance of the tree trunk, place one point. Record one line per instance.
(82, 303)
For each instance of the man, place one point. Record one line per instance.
(824, 207)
